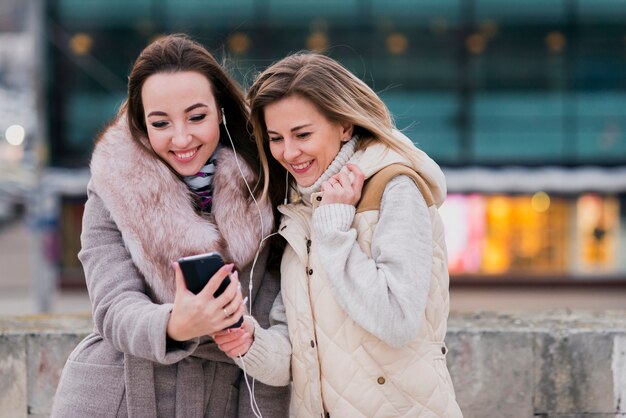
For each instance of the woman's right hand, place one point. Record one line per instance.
(202, 314)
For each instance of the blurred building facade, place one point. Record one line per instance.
(522, 103)
(18, 114)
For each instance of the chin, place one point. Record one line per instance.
(305, 183)
(184, 171)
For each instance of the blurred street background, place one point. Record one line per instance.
(523, 103)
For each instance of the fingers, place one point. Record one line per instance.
(343, 180)
(230, 292)
(215, 281)
(234, 318)
(235, 343)
(344, 187)
(241, 349)
(326, 186)
(179, 280)
(359, 177)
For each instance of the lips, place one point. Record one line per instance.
(185, 155)
(302, 167)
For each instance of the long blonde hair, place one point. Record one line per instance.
(337, 93)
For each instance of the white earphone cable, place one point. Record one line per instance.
(253, 403)
(232, 143)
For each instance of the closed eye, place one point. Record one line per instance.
(159, 124)
(275, 138)
(303, 135)
(198, 118)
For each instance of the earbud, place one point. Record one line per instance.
(223, 116)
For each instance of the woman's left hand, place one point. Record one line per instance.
(339, 188)
(237, 341)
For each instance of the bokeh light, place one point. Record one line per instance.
(15, 135)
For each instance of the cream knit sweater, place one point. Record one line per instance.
(391, 309)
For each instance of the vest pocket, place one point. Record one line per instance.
(405, 376)
(380, 379)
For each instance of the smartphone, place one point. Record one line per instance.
(198, 270)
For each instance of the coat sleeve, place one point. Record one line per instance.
(122, 311)
(387, 293)
(269, 357)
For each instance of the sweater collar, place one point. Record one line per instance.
(341, 159)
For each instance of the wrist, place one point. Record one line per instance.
(174, 331)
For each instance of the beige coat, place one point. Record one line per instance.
(338, 368)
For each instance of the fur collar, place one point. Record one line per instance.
(154, 210)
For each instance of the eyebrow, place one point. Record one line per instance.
(295, 128)
(189, 109)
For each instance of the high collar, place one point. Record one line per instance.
(341, 159)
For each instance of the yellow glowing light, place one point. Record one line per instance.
(15, 135)
(155, 37)
(540, 202)
(556, 41)
(317, 42)
(81, 44)
(239, 42)
(499, 207)
(397, 43)
(476, 43)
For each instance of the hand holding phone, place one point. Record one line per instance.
(199, 312)
(199, 269)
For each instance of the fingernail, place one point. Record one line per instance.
(244, 301)
(236, 275)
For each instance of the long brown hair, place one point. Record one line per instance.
(178, 53)
(337, 93)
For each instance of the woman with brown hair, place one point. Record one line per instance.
(165, 184)
(364, 280)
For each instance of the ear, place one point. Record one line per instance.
(346, 130)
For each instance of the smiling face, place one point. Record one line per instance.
(182, 119)
(302, 139)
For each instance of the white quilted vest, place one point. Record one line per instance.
(339, 370)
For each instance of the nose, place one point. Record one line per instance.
(291, 150)
(181, 137)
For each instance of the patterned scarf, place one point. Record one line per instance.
(201, 184)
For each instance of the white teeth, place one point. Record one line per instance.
(185, 154)
(301, 166)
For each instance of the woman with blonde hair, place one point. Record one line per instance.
(364, 279)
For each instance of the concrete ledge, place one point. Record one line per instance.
(557, 364)
(33, 350)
